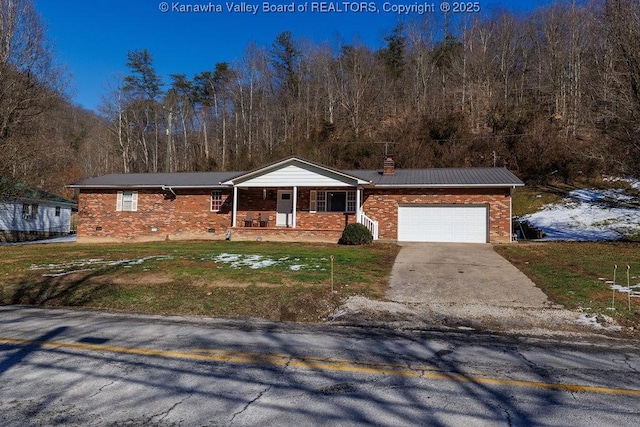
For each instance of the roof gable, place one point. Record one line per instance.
(296, 172)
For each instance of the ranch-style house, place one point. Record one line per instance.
(298, 200)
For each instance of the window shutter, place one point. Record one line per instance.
(119, 201)
(313, 201)
(134, 201)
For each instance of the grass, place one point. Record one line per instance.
(199, 278)
(196, 278)
(528, 200)
(571, 274)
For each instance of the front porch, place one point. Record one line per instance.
(296, 200)
(264, 215)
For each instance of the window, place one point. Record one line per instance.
(337, 201)
(351, 201)
(322, 201)
(332, 201)
(57, 210)
(216, 201)
(29, 212)
(127, 201)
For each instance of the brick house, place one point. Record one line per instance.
(298, 200)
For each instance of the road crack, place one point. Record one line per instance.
(507, 414)
(260, 394)
(102, 388)
(537, 369)
(626, 362)
(165, 414)
(269, 387)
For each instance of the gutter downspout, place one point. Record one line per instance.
(511, 213)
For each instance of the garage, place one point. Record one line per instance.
(451, 223)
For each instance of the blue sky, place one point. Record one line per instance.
(92, 38)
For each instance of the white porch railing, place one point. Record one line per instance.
(371, 224)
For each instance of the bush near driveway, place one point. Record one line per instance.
(355, 234)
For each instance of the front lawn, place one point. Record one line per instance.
(274, 281)
(574, 274)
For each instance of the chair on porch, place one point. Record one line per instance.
(264, 219)
(248, 220)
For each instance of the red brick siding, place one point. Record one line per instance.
(188, 216)
(382, 206)
(283, 234)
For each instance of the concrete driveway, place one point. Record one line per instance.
(460, 273)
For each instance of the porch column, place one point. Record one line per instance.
(295, 202)
(234, 214)
(357, 203)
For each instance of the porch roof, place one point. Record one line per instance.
(294, 171)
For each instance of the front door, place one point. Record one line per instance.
(284, 208)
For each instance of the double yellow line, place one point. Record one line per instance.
(322, 364)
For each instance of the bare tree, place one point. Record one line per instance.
(30, 86)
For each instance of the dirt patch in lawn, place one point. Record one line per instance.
(149, 278)
(229, 284)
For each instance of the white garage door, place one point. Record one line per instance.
(466, 224)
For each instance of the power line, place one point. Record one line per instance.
(472, 138)
(484, 137)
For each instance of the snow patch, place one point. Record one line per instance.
(634, 289)
(63, 269)
(598, 321)
(71, 238)
(254, 262)
(589, 215)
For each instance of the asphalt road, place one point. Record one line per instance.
(60, 367)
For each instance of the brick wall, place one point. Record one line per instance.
(283, 234)
(188, 216)
(382, 206)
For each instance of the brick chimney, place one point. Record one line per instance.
(388, 165)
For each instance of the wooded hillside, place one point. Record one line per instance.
(554, 94)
